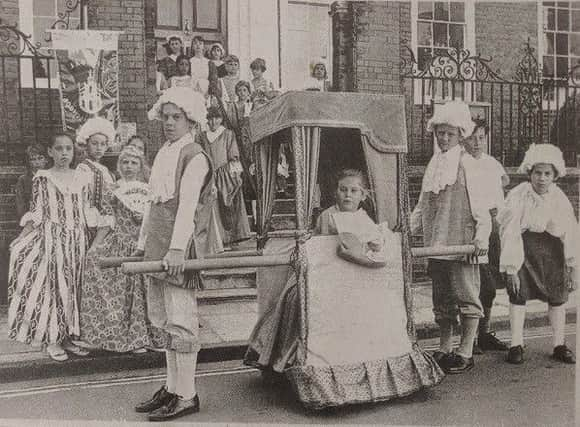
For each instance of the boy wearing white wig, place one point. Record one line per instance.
(539, 248)
(451, 211)
(176, 229)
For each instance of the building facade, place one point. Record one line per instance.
(519, 62)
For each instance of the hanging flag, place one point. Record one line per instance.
(88, 74)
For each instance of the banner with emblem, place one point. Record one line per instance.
(88, 74)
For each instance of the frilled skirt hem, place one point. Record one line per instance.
(320, 387)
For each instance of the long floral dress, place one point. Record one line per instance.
(46, 266)
(114, 305)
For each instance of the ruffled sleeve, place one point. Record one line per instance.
(509, 219)
(570, 229)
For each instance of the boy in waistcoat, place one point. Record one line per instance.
(175, 229)
(451, 211)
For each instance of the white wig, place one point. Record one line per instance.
(94, 126)
(191, 102)
(453, 113)
(543, 153)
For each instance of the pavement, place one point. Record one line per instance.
(538, 393)
(225, 328)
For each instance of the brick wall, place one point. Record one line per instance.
(9, 12)
(502, 29)
(377, 46)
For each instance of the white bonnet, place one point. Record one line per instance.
(453, 113)
(217, 45)
(96, 125)
(543, 153)
(191, 102)
(173, 36)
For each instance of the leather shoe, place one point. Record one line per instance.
(457, 364)
(515, 355)
(440, 357)
(488, 341)
(160, 398)
(564, 354)
(175, 408)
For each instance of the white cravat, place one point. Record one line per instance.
(442, 170)
(213, 135)
(162, 179)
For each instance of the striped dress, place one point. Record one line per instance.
(46, 266)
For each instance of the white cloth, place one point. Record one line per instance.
(162, 178)
(487, 174)
(441, 170)
(543, 153)
(199, 68)
(314, 83)
(524, 210)
(213, 136)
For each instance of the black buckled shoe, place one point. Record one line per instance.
(563, 354)
(175, 408)
(441, 358)
(457, 364)
(160, 398)
(489, 342)
(515, 355)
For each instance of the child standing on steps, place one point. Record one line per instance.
(47, 258)
(35, 159)
(452, 211)
(540, 243)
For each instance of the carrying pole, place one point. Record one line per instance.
(429, 251)
(209, 263)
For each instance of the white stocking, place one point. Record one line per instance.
(557, 316)
(517, 319)
(186, 365)
(170, 357)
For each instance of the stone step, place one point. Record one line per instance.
(222, 279)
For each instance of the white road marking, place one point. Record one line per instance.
(95, 384)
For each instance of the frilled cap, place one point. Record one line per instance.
(94, 126)
(543, 153)
(191, 102)
(453, 113)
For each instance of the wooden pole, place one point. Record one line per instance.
(442, 250)
(209, 264)
(113, 262)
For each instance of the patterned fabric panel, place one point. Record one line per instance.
(372, 381)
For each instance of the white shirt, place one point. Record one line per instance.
(486, 174)
(524, 210)
(199, 68)
(162, 183)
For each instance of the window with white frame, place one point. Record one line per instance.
(559, 46)
(36, 18)
(436, 28)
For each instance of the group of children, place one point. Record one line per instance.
(529, 242)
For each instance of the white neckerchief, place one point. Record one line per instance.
(173, 57)
(162, 179)
(212, 136)
(442, 170)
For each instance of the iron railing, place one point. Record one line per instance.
(526, 109)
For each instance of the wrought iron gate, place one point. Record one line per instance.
(529, 108)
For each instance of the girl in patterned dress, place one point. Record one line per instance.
(113, 307)
(97, 133)
(47, 258)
